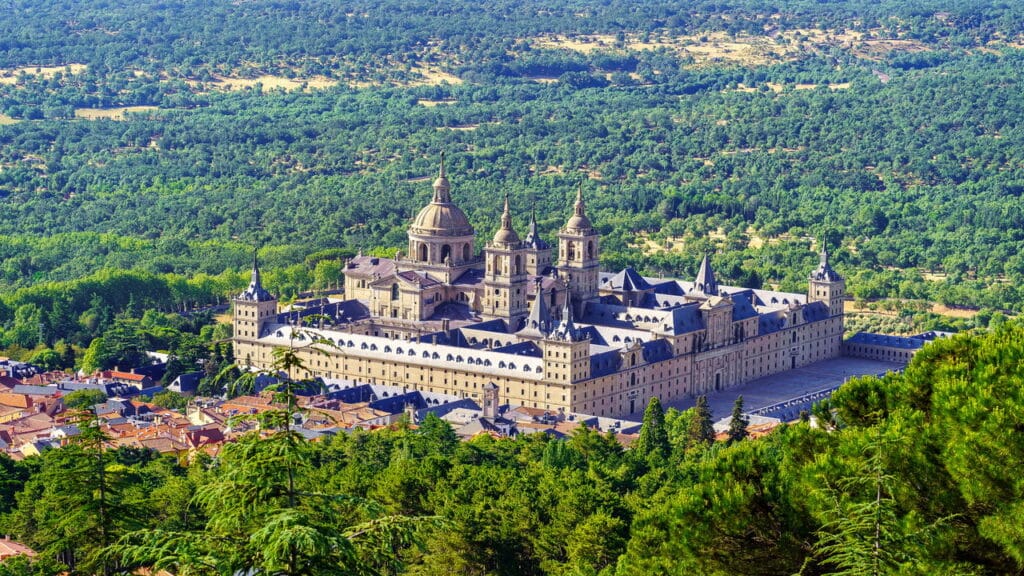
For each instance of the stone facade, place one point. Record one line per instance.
(551, 334)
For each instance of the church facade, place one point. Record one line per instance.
(542, 323)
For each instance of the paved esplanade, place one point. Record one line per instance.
(792, 384)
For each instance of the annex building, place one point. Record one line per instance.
(542, 323)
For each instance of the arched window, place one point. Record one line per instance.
(571, 251)
(394, 291)
(465, 252)
(496, 264)
(590, 250)
(423, 252)
(519, 265)
(446, 252)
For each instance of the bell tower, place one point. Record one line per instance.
(826, 285)
(253, 309)
(505, 274)
(578, 255)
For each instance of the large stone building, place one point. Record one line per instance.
(545, 326)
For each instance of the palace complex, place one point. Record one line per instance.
(541, 324)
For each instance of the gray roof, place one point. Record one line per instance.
(35, 390)
(743, 305)
(420, 279)
(771, 322)
(628, 280)
(904, 342)
(370, 267)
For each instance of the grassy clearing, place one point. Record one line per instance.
(749, 50)
(110, 113)
(433, 76)
(10, 75)
(267, 82)
(5, 119)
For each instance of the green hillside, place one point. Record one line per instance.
(171, 137)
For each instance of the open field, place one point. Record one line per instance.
(229, 84)
(751, 50)
(110, 113)
(10, 75)
(5, 119)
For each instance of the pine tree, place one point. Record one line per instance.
(738, 424)
(265, 513)
(702, 430)
(653, 435)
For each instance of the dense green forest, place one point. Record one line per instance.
(906, 474)
(746, 128)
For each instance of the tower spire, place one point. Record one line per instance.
(579, 208)
(506, 236)
(705, 282)
(442, 189)
(255, 291)
(506, 216)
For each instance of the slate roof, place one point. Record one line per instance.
(470, 277)
(903, 342)
(420, 279)
(628, 280)
(370, 267)
(743, 305)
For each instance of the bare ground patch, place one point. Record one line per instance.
(745, 49)
(266, 82)
(111, 113)
(10, 75)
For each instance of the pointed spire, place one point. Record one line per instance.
(533, 239)
(506, 215)
(506, 235)
(255, 265)
(566, 329)
(255, 291)
(705, 282)
(824, 272)
(442, 189)
(579, 221)
(538, 323)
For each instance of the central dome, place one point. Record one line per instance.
(442, 219)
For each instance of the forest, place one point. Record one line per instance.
(751, 130)
(910, 473)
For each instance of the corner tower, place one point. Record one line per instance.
(505, 274)
(253, 309)
(826, 285)
(578, 255)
